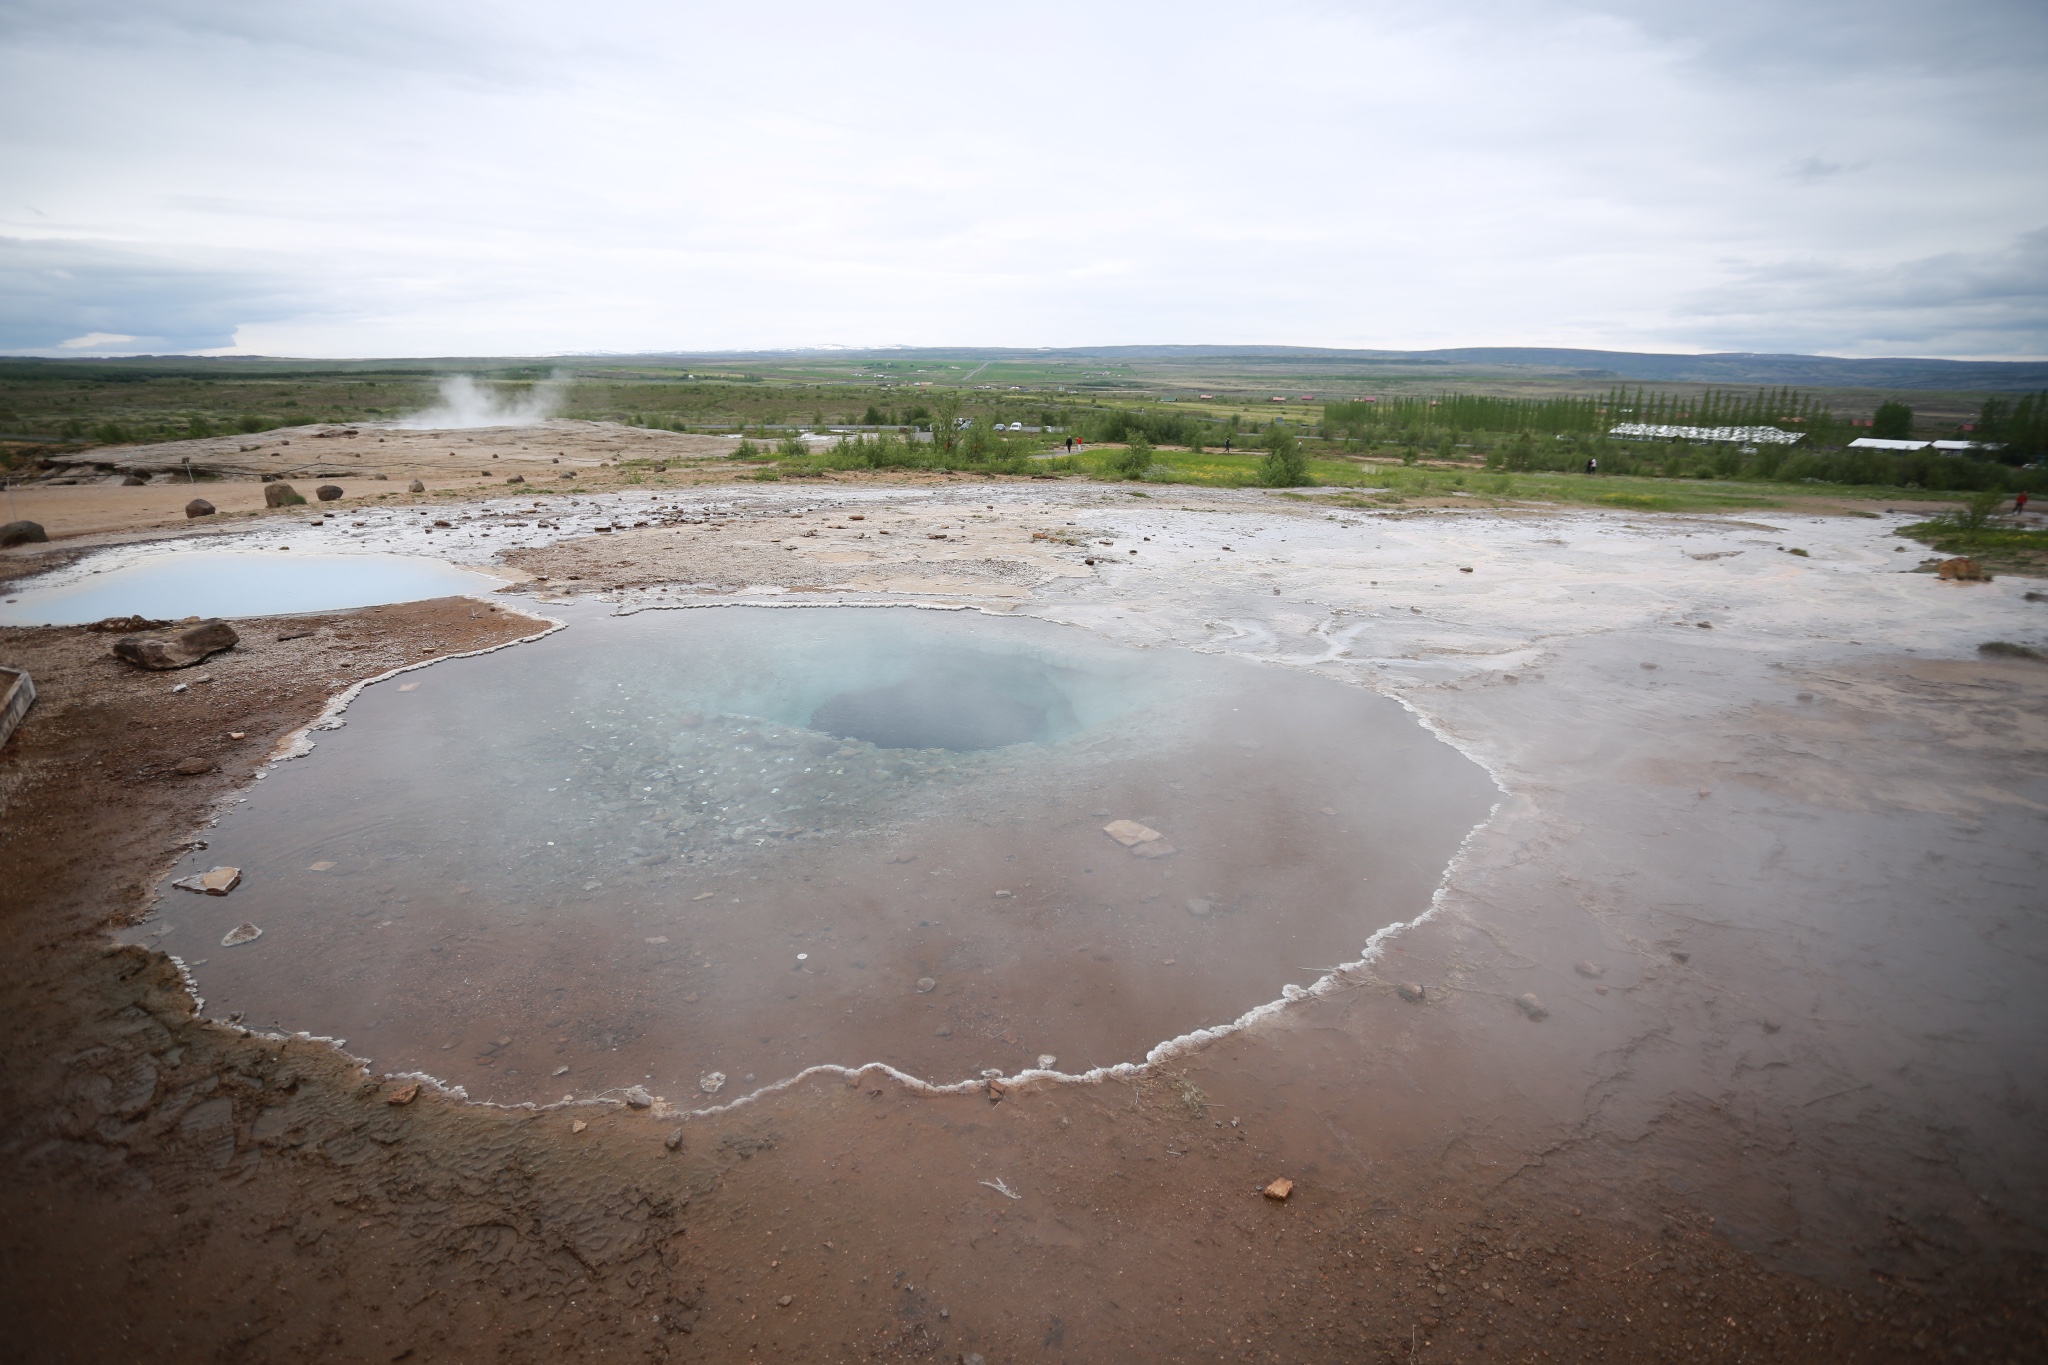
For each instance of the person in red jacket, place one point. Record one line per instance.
(2019, 502)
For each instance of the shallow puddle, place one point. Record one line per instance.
(237, 583)
(746, 840)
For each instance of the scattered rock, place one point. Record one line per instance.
(125, 625)
(1130, 833)
(21, 533)
(405, 1094)
(1595, 970)
(1412, 992)
(1279, 1190)
(925, 985)
(133, 481)
(785, 1301)
(559, 1071)
(244, 932)
(638, 1098)
(328, 492)
(517, 478)
(217, 882)
(577, 1125)
(674, 1139)
(711, 1082)
(943, 1031)
(1046, 1061)
(199, 507)
(1004, 895)
(1531, 1006)
(194, 767)
(1157, 848)
(1681, 958)
(996, 1090)
(415, 487)
(282, 495)
(1200, 908)
(181, 650)
(1962, 570)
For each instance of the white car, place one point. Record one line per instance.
(1016, 426)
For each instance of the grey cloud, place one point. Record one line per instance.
(1957, 302)
(1868, 39)
(57, 291)
(1812, 170)
(262, 39)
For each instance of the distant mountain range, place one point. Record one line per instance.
(1190, 366)
(1737, 367)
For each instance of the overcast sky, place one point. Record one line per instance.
(387, 177)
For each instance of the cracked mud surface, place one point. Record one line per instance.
(1794, 1115)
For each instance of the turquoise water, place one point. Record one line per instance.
(745, 840)
(241, 583)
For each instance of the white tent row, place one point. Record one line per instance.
(1651, 431)
(1950, 447)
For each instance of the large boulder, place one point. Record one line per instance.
(282, 495)
(21, 533)
(327, 492)
(199, 507)
(181, 649)
(416, 487)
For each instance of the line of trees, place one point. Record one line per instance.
(2021, 427)
(1785, 408)
(1928, 469)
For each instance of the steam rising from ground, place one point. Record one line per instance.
(466, 403)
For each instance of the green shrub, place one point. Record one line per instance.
(1284, 466)
(1976, 510)
(1133, 460)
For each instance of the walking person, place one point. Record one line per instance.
(1592, 464)
(1070, 445)
(2019, 503)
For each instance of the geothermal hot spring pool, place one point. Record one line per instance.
(234, 583)
(662, 848)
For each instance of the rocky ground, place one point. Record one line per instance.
(1765, 865)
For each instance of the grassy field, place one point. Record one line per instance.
(1394, 485)
(111, 402)
(2000, 548)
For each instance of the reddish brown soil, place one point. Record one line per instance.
(174, 1189)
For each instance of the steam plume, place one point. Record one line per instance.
(466, 403)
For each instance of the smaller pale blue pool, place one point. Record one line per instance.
(239, 583)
